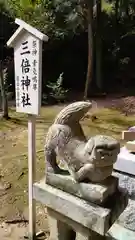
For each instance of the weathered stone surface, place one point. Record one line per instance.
(89, 215)
(115, 232)
(72, 229)
(92, 159)
(127, 218)
(126, 181)
(120, 233)
(58, 229)
(88, 191)
(125, 162)
(80, 236)
(92, 236)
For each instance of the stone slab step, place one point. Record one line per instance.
(125, 162)
(117, 232)
(86, 214)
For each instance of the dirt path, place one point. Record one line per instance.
(13, 176)
(12, 231)
(19, 231)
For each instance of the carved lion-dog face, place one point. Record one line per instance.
(102, 150)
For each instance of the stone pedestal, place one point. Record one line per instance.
(92, 192)
(125, 171)
(130, 145)
(125, 162)
(58, 229)
(71, 217)
(66, 229)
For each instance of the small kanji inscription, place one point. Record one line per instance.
(25, 82)
(26, 100)
(25, 65)
(25, 49)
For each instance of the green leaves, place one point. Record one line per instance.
(56, 18)
(26, 3)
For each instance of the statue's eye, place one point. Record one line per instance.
(101, 153)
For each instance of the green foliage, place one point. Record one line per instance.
(60, 19)
(54, 17)
(56, 89)
(56, 92)
(5, 80)
(107, 7)
(5, 84)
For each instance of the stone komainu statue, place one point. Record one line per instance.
(91, 159)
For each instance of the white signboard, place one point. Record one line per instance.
(28, 64)
(27, 43)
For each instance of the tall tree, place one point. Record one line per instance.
(89, 6)
(124, 8)
(117, 2)
(98, 47)
(5, 28)
(3, 92)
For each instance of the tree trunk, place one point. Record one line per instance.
(89, 4)
(117, 11)
(127, 8)
(3, 95)
(124, 8)
(98, 46)
(117, 18)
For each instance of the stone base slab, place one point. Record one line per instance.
(93, 192)
(62, 228)
(88, 215)
(125, 162)
(59, 230)
(117, 232)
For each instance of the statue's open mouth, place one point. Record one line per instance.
(106, 157)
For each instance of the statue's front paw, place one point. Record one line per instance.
(84, 172)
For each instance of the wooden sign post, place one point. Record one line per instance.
(27, 44)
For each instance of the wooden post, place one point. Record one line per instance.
(31, 167)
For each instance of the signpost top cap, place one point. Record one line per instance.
(23, 26)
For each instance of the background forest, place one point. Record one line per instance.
(90, 49)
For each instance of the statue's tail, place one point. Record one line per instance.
(66, 126)
(71, 115)
(74, 112)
